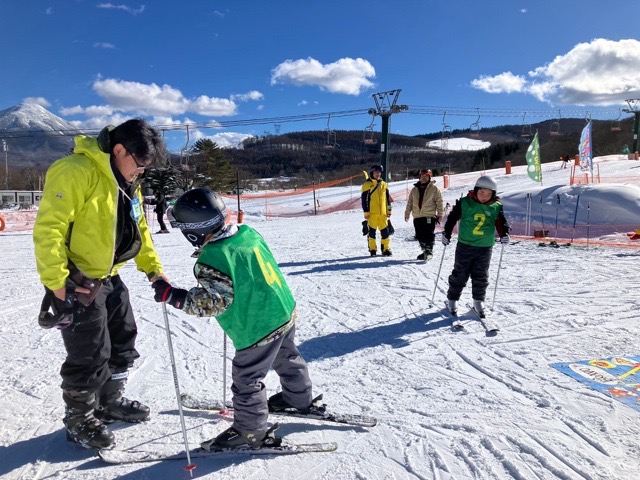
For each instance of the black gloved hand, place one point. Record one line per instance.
(62, 316)
(171, 295)
(365, 227)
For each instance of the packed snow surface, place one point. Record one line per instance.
(460, 143)
(451, 405)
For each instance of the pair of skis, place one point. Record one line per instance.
(457, 324)
(117, 456)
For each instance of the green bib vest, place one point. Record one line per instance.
(262, 301)
(478, 223)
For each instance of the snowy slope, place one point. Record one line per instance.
(450, 405)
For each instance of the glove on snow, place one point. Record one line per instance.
(166, 293)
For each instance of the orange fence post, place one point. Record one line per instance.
(2, 224)
(507, 167)
(240, 216)
(576, 160)
(446, 180)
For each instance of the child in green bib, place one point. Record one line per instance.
(480, 214)
(241, 285)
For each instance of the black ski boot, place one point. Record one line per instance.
(277, 404)
(386, 253)
(114, 406)
(81, 424)
(373, 253)
(232, 438)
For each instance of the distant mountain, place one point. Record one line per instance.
(34, 135)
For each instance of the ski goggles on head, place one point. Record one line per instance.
(425, 172)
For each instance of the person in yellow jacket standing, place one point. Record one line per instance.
(425, 204)
(376, 205)
(90, 222)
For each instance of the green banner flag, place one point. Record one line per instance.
(534, 169)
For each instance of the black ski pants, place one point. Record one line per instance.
(474, 262)
(101, 339)
(160, 216)
(424, 231)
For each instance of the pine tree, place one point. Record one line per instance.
(162, 181)
(214, 165)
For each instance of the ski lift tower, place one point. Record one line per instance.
(385, 107)
(634, 107)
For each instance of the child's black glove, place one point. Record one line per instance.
(365, 227)
(166, 293)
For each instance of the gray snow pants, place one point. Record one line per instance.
(474, 262)
(250, 367)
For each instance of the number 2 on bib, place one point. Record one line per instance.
(480, 218)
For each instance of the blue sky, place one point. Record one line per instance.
(95, 62)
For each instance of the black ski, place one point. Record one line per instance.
(188, 401)
(117, 456)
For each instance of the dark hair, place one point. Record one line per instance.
(141, 139)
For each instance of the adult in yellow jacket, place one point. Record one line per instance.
(376, 205)
(89, 223)
(425, 204)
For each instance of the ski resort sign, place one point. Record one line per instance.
(618, 377)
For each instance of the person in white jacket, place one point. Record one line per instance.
(425, 204)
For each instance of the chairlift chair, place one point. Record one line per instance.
(369, 136)
(184, 153)
(475, 126)
(526, 128)
(554, 131)
(617, 126)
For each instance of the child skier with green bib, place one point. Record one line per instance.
(480, 214)
(241, 285)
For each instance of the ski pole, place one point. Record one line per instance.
(435, 287)
(575, 217)
(224, 376)
(190, 467)
(495, 290)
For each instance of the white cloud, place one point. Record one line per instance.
(260, 107)
(254, 95)
(601, 72)
(219, 13)
(43, 102)
(49, 11)
(124, 8)
(346, 75)
(152, 99)
(303, 103)
(505, 82)
(100, 121)
(523, 10)
(105, 45)
(229, 139)
(91, 111)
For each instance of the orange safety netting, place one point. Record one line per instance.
(295, 191)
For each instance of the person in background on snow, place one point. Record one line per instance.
(425, 204)
(480, 214)
(160, 202)
(376, 205)
(241, 285)
(89, 223)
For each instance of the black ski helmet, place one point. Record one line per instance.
(197, 213)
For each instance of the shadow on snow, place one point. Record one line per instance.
(338, 344)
